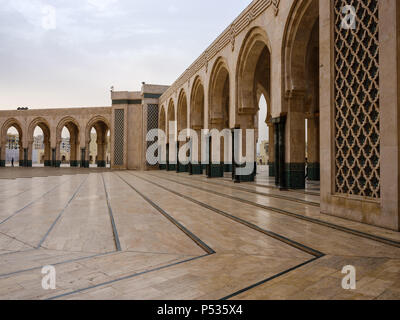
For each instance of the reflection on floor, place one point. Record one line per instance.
(163, 235)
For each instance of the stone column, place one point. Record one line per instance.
(84, 162)
(47, 147)
(29, 159)
(280, 151)
(295, 141)
(55, 162)
(2, 157)
(195, 167)
(271, 150)
(313, 166)
(21, 155)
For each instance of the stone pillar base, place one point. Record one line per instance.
(101, 164)
(248, 177)
(215, 171)
(195, 169)
(313, 170)
(295, 175)
(182, 168)
(85, 164)
(162, 166)
(171, 167)
(29, 163)
(271, 169)
(74, 163)
(21, 163)
(2, 163)
(228, 167)
(47, 163)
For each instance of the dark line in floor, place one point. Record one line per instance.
(18, 240)
(29, 204)
(269, 279)
(248, 224)
(298, 216)
(311, 203)
(61, 213)
(190, 234)
(17, 251)
(128, 277)
(5, 275)
(114, 227)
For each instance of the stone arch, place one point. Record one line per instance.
(253, 76)
(170, 115)
(162, 119)
(43, 124)
(219, 118)
(303, 17)
(182, 111)
(253, 80)
(300, 74)
(197, 105)
(74, 130)
(197, 123)
(102, 127)
(219, 99)
(12, 122)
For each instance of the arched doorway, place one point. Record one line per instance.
(162, 125)
(12, 151)
(218, 118)
(182, 125)
(253, 97)
(171, 136)
(39, 144)
(68, 143)
(197, 121)
(299, 129)
(98, 143)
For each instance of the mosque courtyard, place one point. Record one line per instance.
(163, 235)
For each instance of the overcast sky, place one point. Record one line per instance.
(67, 53)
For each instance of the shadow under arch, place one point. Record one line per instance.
(299, 159)
(12, 122)
(102, 127)
(253, 80)
(182, 124)
(43, 124)
(197, 121)
(74, 130)
(219, 118)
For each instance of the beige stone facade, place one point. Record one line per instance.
(301, 57)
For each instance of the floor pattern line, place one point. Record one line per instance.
(270, 278)
(32, 202)
(128, 277)
(248, 224)
(298, 216)
(110, 211)
(5, 275)
(61, 213)
(190, 234)
(311, 203)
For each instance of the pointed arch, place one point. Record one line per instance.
(197, 105)
(162, 119)
(253, 77)
(219, 98)
(182, 111)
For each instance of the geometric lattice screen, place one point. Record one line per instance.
(357, 128)
(119, 130)
(152, 123)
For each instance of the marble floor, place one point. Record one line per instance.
(163, 235)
